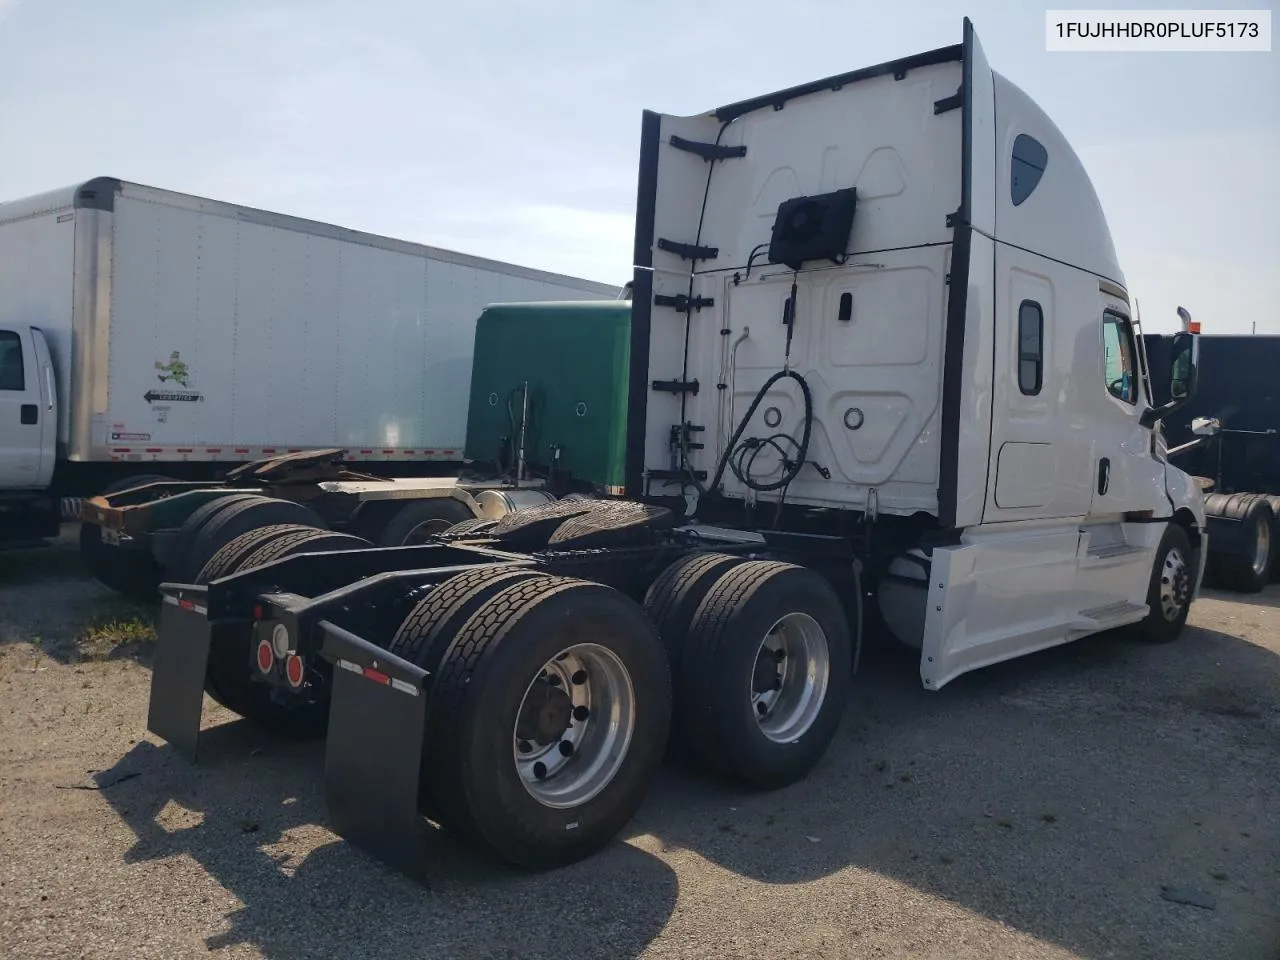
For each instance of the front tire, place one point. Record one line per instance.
(1169, 590)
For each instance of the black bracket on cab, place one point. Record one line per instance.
(953, 102)
(680, 436)
(707, 151)
(676, 386)
(688, 251)
(681, 302)
(676, 474)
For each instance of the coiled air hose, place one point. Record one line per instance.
(733, 456)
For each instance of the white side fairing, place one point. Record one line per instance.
(869, 332)
(1051, 554)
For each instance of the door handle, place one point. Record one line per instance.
(1104, 475)
(29, 414)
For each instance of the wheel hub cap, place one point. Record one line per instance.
(574, 724)
(1175, 585)
(790, 677)
(546, 713)
(1262, 549)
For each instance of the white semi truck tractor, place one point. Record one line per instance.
(882, 359)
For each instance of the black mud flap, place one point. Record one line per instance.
(373, 754)
(177, 673)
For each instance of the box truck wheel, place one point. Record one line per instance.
(228, 676)
(133, 573)
(1169, 590)
(231, 521)
(765, 673)
(547, 720)
(430, 627)
(420, 520)
(673, 598)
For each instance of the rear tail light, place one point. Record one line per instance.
(266, 659)
(293, 670)
(280, 640)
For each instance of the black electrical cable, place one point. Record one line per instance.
(793, 467)
(755, 251)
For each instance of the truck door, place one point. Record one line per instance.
(27, 412)
(1040, 445)
(1126, 477)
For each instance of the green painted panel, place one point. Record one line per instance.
(575, 356)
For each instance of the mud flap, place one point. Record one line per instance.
(373, 754)
(177, 673)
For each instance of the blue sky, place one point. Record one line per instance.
(511, 129)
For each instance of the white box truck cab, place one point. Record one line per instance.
(893, 294)
(880, 349)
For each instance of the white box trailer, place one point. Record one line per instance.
(140, 326)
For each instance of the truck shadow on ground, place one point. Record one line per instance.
(1268, 598)
(1057, 794)
(251, 814)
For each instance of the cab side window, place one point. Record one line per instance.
(1119, 357)
(11, 373)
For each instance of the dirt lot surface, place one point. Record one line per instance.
(1044, 808)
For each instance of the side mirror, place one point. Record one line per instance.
(1184, 361)
(1183, 367)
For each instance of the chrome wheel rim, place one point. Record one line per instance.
(1262, 550)
(790, 677)
(574, 726)
(1175, 585)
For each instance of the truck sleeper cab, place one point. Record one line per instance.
(958, 335)
(880, 348)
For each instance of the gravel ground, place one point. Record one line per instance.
(1035, 809)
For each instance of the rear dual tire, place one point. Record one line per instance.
(1249, 571)
(229, 671)
(764, 673)
(548, 716)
